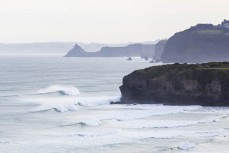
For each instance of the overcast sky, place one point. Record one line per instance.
(104, 21)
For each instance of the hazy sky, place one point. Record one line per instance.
(105, 21)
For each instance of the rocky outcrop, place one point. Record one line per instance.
(77, 51)
(178, 84)
(130, 50)
(198, 44)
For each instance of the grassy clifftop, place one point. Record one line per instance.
(184, 70)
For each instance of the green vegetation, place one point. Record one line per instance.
(203, 73)
(210, 32)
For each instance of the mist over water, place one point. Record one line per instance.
(54, 104)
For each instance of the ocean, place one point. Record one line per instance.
(61, 105)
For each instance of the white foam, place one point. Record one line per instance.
(97, 101)
(186, 146)
(66, 108)
(133, 112)
(66, 104)
(94, 134)
(141, 123)
(64, 89)
(61, 104)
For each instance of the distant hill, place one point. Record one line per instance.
(198, 44)
(129, 50)
(94, 47)
(51, 48)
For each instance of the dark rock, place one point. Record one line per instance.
(117, 102)
(129, 59)
(159, 49)
(155, 61)
(178, 84)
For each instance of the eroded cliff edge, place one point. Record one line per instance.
(178, 84)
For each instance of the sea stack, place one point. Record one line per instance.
(77, 51)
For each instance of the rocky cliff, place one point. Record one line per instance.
(159, 49)
(198, 44)
(130, 50)
(179, 84)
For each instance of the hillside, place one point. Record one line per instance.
(198, 44)
(129, 50)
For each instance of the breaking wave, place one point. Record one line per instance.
(72, 102)
(62, 89)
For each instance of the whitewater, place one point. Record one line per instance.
(62, 105)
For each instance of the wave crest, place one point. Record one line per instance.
(63, 89)
(84, 124)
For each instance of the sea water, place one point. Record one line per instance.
(61, 105)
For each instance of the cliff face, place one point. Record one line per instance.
(179, 84)
(159, 49)
(130, 50)
(201, 43)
